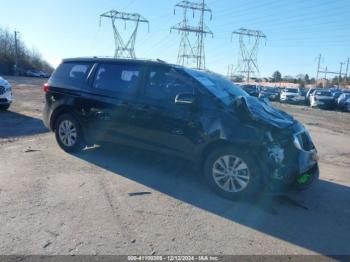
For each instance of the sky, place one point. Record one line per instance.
(297, 30)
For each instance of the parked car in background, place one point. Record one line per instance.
(322, 99)
(336, 94)
(341, 100)
(347, 105)
(252, 90)
(308, 94)
(240, 143)
(35, 73)
(291, 95)
(271, 93)
(44, 74)
(5, 94)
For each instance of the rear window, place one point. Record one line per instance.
(71, 73)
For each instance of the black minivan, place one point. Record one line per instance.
(240, 143)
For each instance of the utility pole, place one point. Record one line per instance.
(347, 71)
(16, 52)
(318, 69)
(248, 54)
(336, 73)
(191, 54)
(340, 73)
(124, 49)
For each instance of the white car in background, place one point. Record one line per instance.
(322, 99)
(292, 95)
(5, 94)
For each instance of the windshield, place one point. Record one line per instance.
(218, 85)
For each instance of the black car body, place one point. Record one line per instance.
(180, 112)
(252, 90)
(271, 93)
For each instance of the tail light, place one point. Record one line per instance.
(46, 87)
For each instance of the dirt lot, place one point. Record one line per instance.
(113, 201)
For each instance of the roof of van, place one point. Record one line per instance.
(104, 59)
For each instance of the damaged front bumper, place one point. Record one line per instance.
(293, 163)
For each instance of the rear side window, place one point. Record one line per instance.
(118, 78)
(71, 73)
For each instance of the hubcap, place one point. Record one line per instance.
(67, 133)
(231, 173)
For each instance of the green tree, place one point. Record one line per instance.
(307, 79)
(277, 76)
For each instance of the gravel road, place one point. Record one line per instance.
(112, 200)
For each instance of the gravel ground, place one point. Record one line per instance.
(112, 200)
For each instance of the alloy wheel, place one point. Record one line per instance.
(231, 173)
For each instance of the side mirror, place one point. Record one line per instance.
(185, 99)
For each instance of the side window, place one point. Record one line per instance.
(121, 79)
(72, 73)
(164, 84)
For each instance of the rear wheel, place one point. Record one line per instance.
(68, 133)
(231, 173)
(4, 107)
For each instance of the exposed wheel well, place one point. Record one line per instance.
(58, 112)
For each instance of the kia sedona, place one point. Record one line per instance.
(241, 144)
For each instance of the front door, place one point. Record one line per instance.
(160, 124)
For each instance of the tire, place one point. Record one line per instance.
(69, 135)
(245, 166)
(4, 107)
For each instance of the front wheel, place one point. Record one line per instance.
(68, 133)
(231, 173)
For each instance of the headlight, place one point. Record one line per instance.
(297, 143)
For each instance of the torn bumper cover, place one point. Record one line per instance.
(289, 157)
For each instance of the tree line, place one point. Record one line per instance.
(303, 80)
(28, 59)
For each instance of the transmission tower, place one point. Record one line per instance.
(124, 49)
(192, 53)
(249, 41)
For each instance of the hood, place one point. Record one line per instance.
(262, 112)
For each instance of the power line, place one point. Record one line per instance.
(124, 49)
(248, 54)
(190, 53)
